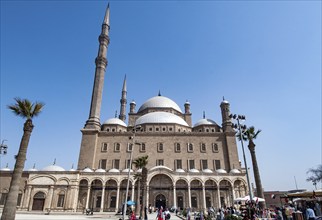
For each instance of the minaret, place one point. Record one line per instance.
(123, 102)
(93, 121)
(225, 112)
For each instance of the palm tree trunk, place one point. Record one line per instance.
(9, 210)
(144, 180)
(259, 189)
(138, 204)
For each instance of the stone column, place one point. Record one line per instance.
(204, 197)
(30, 199)
(74, 197)
(189, 195)
(174, 196)
(117, 198)
(103, 199)
(87, 198)
(26, 198)
(218, 195)
(132, 196)
(50, 196)
(147, 196)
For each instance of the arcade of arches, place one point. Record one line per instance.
(107, 193)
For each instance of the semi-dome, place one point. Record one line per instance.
(194, 171)
(159, 102)
(100, 170)
(114, 121)
(160, 167)
(88, 170)
(180, 171)
(113, 170)
(53, 168)
(161, 117)
(206, 171)
(205, 121)
(221, 171)
(127, 170)
(32, 169)
(235, 171)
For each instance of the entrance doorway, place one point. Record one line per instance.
(160, 201)
(39, 201)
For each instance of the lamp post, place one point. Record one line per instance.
(135, 128)
(3, 148)
(242, 128)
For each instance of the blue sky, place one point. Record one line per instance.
(264, 57)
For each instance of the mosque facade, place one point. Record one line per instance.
(189, 165)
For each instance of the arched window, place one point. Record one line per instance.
(61, 199)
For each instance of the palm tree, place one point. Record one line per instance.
(25, 109)
(316, 175)
(249, 135)
(140, 163)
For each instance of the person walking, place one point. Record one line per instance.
(310, 215)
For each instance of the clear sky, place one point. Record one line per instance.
(264, 57)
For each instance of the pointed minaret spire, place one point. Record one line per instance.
(204, 115)
(34, 166)
(123, 101)
(54, 161)
(93, 121)
(159, 93)
(107, 15)
(115, 116)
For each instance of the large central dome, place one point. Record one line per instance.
(159, 102)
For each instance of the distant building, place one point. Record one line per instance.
(189, 165)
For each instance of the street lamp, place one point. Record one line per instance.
(241, 129)
(135, 128)
(3, 148)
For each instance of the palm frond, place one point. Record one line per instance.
(25, 109)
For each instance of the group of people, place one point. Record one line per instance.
(163, 214)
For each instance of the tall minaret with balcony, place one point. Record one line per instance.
(123, 102)
(93, 121)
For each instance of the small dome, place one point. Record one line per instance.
(194, 171)
(205, 121)
(127, 170)
(221, 171)
(53, 168)
(100, 171)
(88, 170)
(72, 169)
(159, 102)
(225, 101)
(113, 170)
(207, 171)
(139, 171)
(161, 117)
(160, 167)
(133, 102)
(114, 121)
(32, 169)
(234, 171)
(5, 169)
(180, 171)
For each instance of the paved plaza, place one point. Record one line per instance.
(76, 216)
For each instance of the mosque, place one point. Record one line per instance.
(189, 165)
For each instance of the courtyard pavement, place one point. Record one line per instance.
(77, 216)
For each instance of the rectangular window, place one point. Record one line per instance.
(215, 148)
(204, 164)
(217, 164)
(60, 202)
(178, 164)
(117, 147)
(127, 164)
(104, 147)
(160, 147)
(142, 147)
(194, 202)
(129, 147)
(191, 164)
(177, 147)
(113, 202)
(102, 164)
(19, 199)
(160, 162)
(3, 198)
(116, 164)
(190, 147)
(203, 148)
